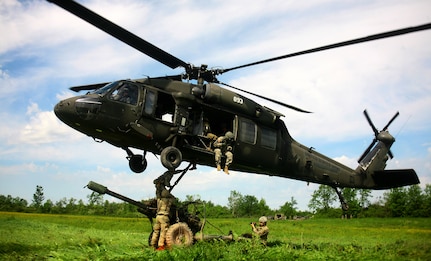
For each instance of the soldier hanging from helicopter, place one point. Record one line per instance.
(164, 181)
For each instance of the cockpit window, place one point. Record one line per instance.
(126, 92)
(106, 88)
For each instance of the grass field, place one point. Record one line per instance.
(63, 237)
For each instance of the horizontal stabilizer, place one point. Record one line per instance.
(386, 179)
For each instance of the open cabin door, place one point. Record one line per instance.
(257, 146)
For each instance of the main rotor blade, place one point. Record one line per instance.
(88, 87)
(340, 44)
(120, 33)
(268, 99)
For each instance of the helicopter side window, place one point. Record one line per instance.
(150, 99)
(126, 93)
(247, 131)
(268, 138)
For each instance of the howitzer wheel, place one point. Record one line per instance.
(179, 234)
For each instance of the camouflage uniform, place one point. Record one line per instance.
(161, 226)
(164, 181)
(209, 135)
(262, 230)
(222, 146)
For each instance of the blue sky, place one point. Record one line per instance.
(44, 50)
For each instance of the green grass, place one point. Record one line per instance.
(63, 237)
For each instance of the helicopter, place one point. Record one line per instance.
(170, 116)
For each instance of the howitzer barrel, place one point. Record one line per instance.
(96, 187)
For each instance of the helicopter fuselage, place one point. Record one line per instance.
(155, 113)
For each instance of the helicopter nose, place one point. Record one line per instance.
(65, 110)
(75, 110)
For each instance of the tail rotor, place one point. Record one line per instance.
(382, 136)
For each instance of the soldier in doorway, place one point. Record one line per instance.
(223, 146)
(208, 134)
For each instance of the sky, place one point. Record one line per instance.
(45, 50)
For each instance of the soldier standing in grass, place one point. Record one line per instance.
(262, 230)
(164, 202)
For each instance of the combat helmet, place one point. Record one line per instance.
(229, 135)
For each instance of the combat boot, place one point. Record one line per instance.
(218, 167)
(226, 170)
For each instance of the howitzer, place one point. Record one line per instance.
(184, 225)
(149, 209)
(183, 232)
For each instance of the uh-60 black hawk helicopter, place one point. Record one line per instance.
(169, 116)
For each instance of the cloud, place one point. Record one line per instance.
(44, 127)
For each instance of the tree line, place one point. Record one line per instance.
(409, 201)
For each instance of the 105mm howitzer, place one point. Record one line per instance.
(184, 225)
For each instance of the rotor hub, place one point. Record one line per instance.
(385, 137)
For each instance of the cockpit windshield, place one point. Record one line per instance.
(103, 90)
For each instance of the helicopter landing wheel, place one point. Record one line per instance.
(137, 163)
(171, 157)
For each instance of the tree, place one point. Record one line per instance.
(38, 197)
(414, 204)
(248, 205)
(289, 209)
(212, 210)
(47, 206)
(12, 204)
(60, 206)
(427, 201)
(192, 198)
(71, 205)
(322, 198)
(396, 201)
(350, 195)
(364, 195)
(234, 201)
(262, 208)
(95, 199)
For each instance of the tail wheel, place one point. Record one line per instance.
(179, 234)
(171, 157)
